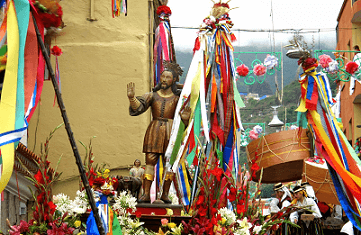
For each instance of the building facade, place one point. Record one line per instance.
(349, 35)
(101, 55)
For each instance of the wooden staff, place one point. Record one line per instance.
(70, 133)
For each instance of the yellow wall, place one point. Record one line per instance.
(99, 59)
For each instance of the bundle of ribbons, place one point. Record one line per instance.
(330, 141)
(163, 42)
(211, 77)
(23, 81)
(119, 7)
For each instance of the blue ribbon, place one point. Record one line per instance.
(343, 198)
(228, 148)
(311, 82)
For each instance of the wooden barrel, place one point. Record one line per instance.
(281, 155)
(318, 177)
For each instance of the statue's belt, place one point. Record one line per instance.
(162, 119)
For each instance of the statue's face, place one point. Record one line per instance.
(166, 80)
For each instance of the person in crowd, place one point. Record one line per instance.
(308, 224)
(349, 229)
(283, 199)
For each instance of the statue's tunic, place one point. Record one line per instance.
(156, 138)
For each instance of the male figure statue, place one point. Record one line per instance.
(163, 101)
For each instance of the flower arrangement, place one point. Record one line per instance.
(316, 159)
(50, 13)
(163, 9)
(270, 61)
(46, 218)
(55, 50)
(167, 227)
(332, 67)
(255, 132)
(219, 16)
(222, 206)
(351, 67)
(308, 63)
(325, 60)
(259, 70)
(242, 70)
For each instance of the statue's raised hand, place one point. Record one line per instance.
(131, 90)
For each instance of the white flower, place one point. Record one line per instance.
(79, 210)
(107, 186)
(212, 18)
(257, 229)
(332, 67)
(228, 215)
(63, 204)
(173, 197)
(258, 129)
(244, 223)
(270, 61)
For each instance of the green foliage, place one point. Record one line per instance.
(267, 191)
(260, 89)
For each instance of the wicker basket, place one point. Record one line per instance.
(318, 177)
(280, 155)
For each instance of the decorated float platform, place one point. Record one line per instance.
(152, 215)
(280, 155)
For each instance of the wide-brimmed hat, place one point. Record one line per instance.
(277, 187)
(298, 189)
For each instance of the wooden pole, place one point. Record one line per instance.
(70, 133)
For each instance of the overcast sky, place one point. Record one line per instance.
(256, 15)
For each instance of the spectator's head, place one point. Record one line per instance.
(356, 48)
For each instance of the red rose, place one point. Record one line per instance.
(164, 9)
(242, 70)
(99, 181)
(351, 67)
(56, 51)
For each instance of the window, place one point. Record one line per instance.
(350, 131)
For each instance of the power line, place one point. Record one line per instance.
(305, 30)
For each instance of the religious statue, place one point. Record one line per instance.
(163, 101)
(136, 170)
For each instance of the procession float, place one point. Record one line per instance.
(193, 141)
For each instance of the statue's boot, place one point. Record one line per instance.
(166, 187)
(145, 198)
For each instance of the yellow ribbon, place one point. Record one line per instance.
(8, 97)
(302, 107)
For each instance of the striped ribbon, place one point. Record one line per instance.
(162, 49)
(333, 145)
(211, 72)
(8, 96)
(22, 83)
